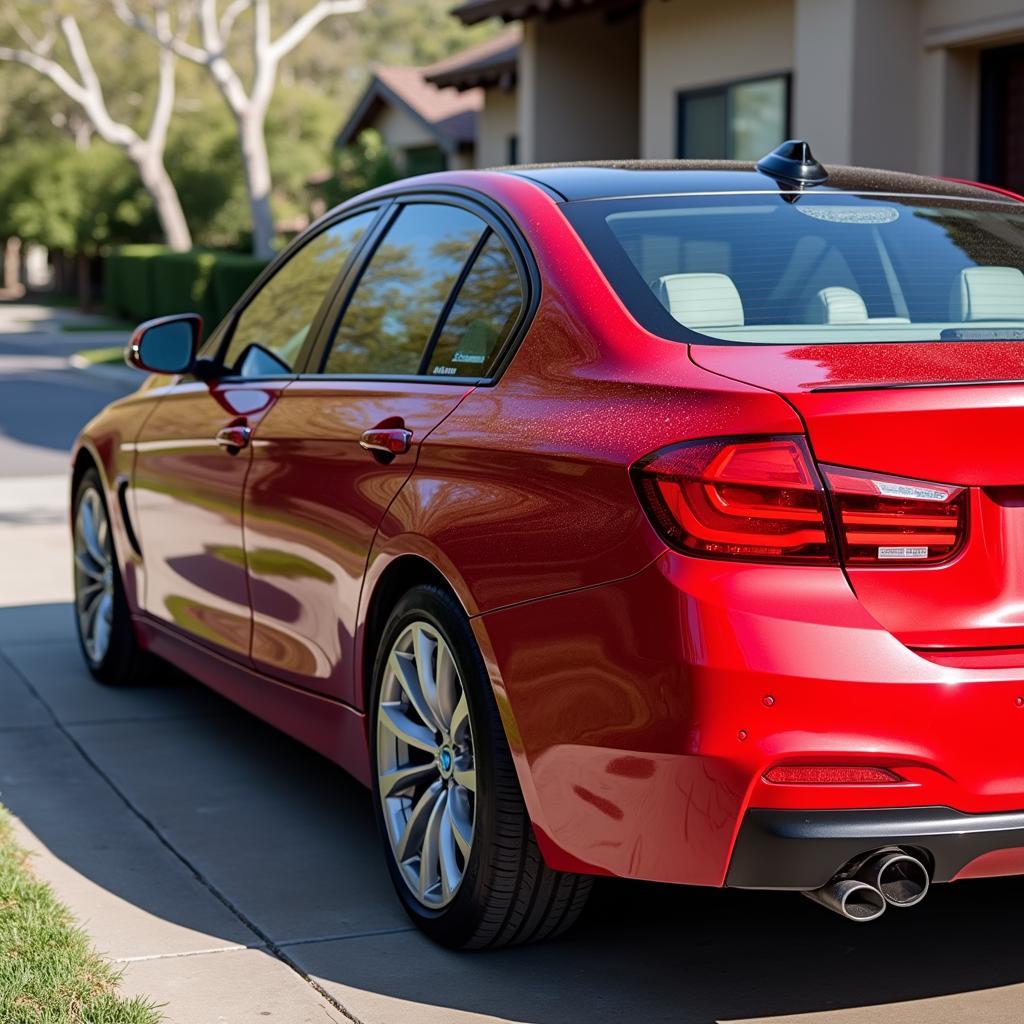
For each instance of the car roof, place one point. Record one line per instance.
(630, 178)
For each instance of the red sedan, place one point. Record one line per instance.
(663, 521)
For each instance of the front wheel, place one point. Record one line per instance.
(458, 840)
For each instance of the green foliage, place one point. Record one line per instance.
(143, 281)
(365, 164)
(48, 971)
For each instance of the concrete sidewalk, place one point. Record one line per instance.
(238, 878)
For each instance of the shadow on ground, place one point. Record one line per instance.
(288, 840)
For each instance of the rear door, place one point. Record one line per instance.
(195, 451)
(415, 329)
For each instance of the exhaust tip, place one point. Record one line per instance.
(901, 879)
(850, 898)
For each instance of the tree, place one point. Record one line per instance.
(248, 105)
(145, 152)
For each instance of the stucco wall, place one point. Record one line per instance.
(498, 120)
(579, 83)
(400, 131)
(689, 44)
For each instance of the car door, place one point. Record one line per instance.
(322, 477)
(194, 452)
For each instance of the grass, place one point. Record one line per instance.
(105, 325)
(49, 973)
(102, 356)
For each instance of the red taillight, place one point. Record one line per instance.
(751, 499)
(829, 775)
(891, 520)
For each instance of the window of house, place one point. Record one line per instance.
(403, 290)
(737, 121)
(425, 160)
(512, 150)
(271, 331)
(482, 316)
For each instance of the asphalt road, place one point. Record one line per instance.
(237, 877)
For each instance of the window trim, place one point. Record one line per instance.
(217, 345)
(494, 218)
(726, 87)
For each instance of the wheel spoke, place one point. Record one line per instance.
(412, 838)
(461, 828)
(406, 670)
(465, 777)
(447, 685)
(103, 622)
(90, 534)
(430, 853)
(460, 717)
(450, 874)
(87, 567)
(401, 726)
(424, 647)
(406, 777)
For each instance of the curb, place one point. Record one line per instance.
(107, 371)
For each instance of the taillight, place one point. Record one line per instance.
(829, 775)
(757, 499)
(891, 520)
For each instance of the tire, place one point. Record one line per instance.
(502, 893)
(112, 654)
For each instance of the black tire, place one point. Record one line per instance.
(123, 663)
(507, 894)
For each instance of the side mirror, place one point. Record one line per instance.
(165, 345)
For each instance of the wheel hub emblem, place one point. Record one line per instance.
(446, 761)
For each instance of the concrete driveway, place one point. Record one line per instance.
(238, 878)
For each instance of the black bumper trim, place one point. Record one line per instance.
(804, 849)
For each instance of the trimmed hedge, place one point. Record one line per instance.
(143, 281)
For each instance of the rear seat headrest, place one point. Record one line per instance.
(838, 305)
(702, 300)
(991, 293)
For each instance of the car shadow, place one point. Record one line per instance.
(289, 841)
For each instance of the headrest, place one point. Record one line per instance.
(702, 300)
(839, 305)
(991, 293)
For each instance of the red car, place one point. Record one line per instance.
(663, 521)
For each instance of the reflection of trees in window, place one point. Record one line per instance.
(482, 316)
(279, 317)
(392, 313)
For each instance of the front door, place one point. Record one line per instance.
(195, 451)
(1002, 117)
(407, 350)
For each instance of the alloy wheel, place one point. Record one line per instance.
(94, 575)
(426, 768)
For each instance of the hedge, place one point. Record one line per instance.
(143, 281)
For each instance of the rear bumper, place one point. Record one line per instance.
(781, 849)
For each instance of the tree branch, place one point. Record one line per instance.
(156, 138)
(165, 38)
(302, 27)
(231, 13)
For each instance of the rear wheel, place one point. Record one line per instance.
(105, 631)
(458, 840)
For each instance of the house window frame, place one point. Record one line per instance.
(726, 88)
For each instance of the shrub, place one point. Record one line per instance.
(128, 280)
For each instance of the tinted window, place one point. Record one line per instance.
(829, 267)
(395, 307)
(739, 121)
(482, 317)
(271, 330)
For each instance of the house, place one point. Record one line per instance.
(427, 128)
(934, 86)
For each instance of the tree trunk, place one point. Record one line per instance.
(257, 180)
(12, 285)
(84, 282)
(165, 198)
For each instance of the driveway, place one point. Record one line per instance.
(237, 876)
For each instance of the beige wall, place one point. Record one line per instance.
(687, 44)
(498, 120)
(400, 131)
(578, 90)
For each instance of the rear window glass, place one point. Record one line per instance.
(821, 267)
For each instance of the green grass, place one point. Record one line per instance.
(102, 356)
(99, 325)
(49, 973)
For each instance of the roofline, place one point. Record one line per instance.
(473, 11)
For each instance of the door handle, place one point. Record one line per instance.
(386, 440)
(234, 438)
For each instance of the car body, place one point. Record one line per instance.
(719, 714)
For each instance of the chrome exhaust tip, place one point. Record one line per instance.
(850, 898)
(901, 878)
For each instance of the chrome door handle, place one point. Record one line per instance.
(386, 440)
(234, 438)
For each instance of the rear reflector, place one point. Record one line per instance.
(757, 499)
(829, 775)
(886, 520)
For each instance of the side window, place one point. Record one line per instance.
(394, 309)
(482, 316)
(271, 330)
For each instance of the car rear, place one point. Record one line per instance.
(853, 590)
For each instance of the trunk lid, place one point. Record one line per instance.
(948, 412)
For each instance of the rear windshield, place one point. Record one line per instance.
(818, 267)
